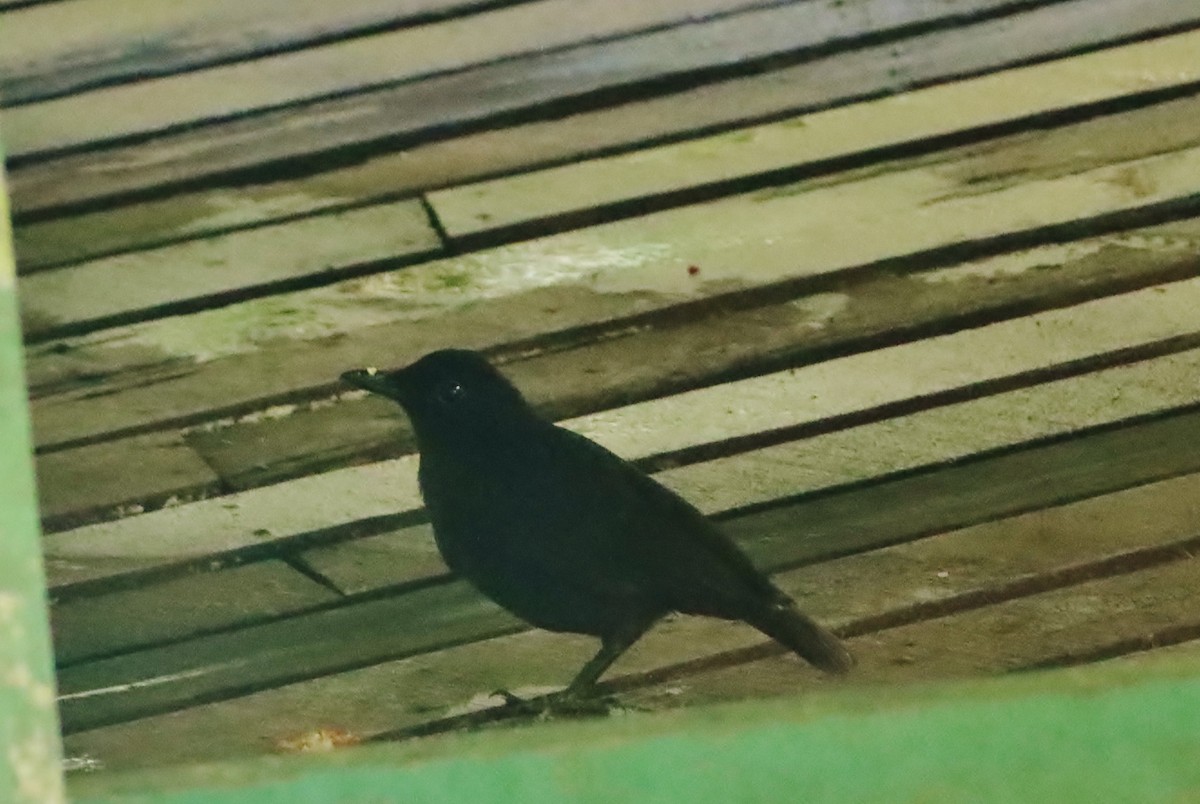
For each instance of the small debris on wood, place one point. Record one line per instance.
(321, 739)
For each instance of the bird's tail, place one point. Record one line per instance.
(788, 625)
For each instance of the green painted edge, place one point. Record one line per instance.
(30, 754)
(1124, 731)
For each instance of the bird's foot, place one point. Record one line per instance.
(582, 703)
(516, 703)
(565, 703)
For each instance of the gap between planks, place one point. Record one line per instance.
(877, 586)
(185, 37)
(207, 212)
(1013, 97)
(312, 139)
(364, 66)
(249, 263)
(852, 384)
(641, 261)
(1121, 614)
(700, 350)
(776, 536)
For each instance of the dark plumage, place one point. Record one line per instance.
(565, 534)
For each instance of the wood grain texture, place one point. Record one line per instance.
(381, 630)
(923, 114)
(107, 291)
(269, 447)
(903, 296)
(85, 629)
(451, 46)
(932, 436)
(66, 301)
(362, 125)
(789, 234)
(193, 214)
(345, 68)
(144, 472)
(993, 640)
(143, 39)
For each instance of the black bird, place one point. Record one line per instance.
(565, 534)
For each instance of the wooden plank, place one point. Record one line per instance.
(366, 124)
(868, 585)
(141, 39)
(822, 462)
(411, 53)
(831, 460)
(101, 692)
(303, 439)
(787, 234)
(300, 440)
(69, 299)
(682, 355)
(1189, 650)
(130, 287)
(840, 387)
(147, 471)
(110, 290)
(953, 584)
(463, 158)
(285, 443)
(502, 203)
(996, 639)
(180, 608)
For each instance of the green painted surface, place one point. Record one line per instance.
(1123, 732)
(29, 747)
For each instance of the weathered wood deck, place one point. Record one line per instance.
(906, 296)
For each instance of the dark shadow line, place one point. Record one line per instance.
(940, 256)
(327, 158)
(384, 524)
(136, 138)
(570, 407)
(779, 177)
(1162, 638)
(963, 602)
(225, 298)
(687, 196)
(64, 85)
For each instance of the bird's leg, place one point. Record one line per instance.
(611, 648)
(579, 697)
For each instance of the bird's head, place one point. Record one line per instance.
(452, 389)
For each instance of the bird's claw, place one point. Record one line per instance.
(565, 703)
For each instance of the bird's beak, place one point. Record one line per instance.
(377, 382)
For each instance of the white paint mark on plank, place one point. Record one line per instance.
(155, 681)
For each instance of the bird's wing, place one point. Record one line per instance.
(627, 529)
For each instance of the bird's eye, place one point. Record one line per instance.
(451, 392)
